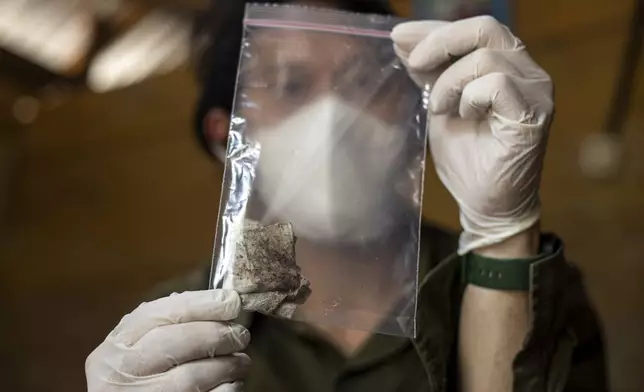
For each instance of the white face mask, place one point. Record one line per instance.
(328, 170)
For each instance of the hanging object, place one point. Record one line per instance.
(159, 43)
(54, 34)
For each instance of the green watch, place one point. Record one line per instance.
(497, 274)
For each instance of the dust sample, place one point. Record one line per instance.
(265, 273)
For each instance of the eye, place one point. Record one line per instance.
(357, 78)
(293, 83)
(363, 77)
(295, 88)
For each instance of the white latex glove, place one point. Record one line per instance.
(180, 343)
(491, 109)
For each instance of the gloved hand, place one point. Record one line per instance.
(491, 107)
(179, 343)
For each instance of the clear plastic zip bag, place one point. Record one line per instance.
(321, 205)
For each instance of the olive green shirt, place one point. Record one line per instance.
(563, 352)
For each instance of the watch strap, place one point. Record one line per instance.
(497, 274)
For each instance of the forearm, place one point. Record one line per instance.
(494, 323)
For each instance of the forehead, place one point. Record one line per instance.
(285, 46)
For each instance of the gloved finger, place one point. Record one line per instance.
(207, 374)
(495, 92)
(408, 35)
(460, 38)
(231, 387)
(447, 90)
(405, 37)
(207, 305)
(172, 345)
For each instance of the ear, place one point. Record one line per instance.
(215, 126)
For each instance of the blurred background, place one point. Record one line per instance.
(104, 191)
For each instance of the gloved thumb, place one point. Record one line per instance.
(495, 92)
(498, 96)
(408, 35)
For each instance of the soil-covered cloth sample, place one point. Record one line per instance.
(265, 273)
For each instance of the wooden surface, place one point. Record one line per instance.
(109, 194)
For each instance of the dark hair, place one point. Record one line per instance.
(217, 37)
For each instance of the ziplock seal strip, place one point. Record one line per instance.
(317, 27)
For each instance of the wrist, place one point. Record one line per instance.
(505, 265)
(523, 245)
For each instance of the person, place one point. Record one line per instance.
(523, 325)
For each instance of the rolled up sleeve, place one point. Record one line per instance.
(564, 351)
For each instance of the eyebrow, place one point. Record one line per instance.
(296, 68)
(265, 75)
(301, 67)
